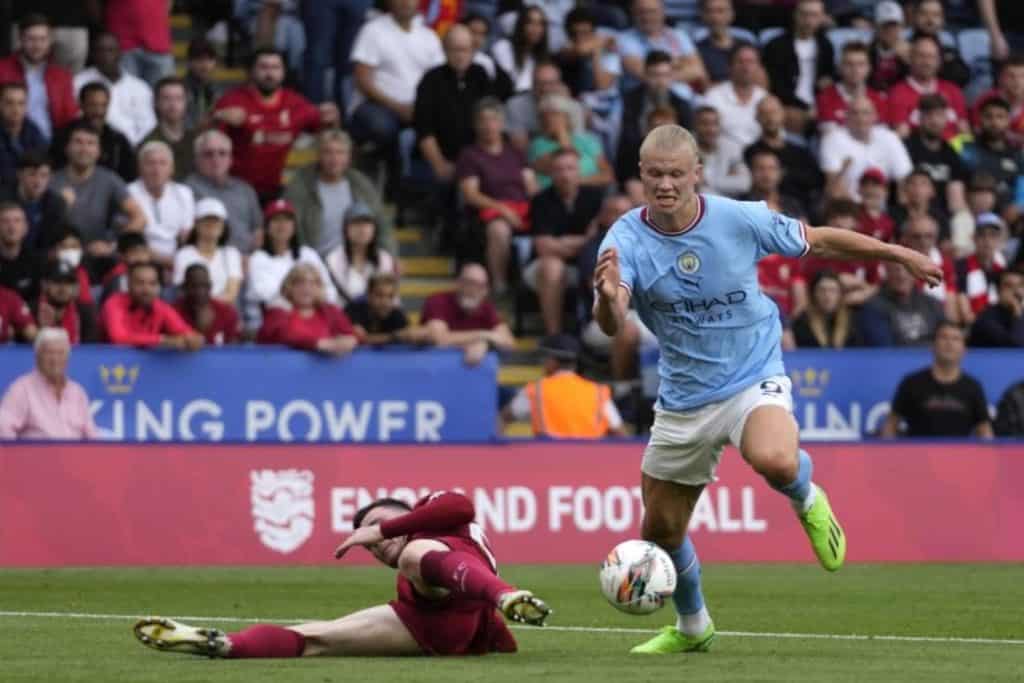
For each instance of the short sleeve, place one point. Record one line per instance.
(367, 48)
(489, 316)
(118, 189)
(431, 311)
(902, 402)
(616, 238)
(776, 233)
(686, 46)
(466, 166)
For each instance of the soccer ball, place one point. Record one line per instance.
(637, 577)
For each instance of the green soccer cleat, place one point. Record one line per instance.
(168, 635)
(822, 527)
(524, 607)
(671, 640)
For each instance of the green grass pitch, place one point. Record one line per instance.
(944, 602)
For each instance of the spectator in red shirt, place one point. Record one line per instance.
(31, 66)
(976, 274)
(132, 248)
(307, 321)
(217, 321)
(263, 119)
(921, 233)
(859, 278)
(57, 305)
(465, 317)
(875, 220)
(139, 318)
(925, 61)
(143, 28)
(854, 69)
(16, 323)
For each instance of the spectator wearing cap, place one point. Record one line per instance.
(854, 69)
(18, 134)
(929, 151)
(303, 319)
(139, 318)
(736, 100)
(116, 151)
(976, 274)
(563, 404)
(212, 179)
(19, 265)
(131, 249)
(58, 305)
(923, 79)
(217, 321)
(802, 177)
(143, 31)
(724, 171)
(900, 314)
(324, 191)
(45, 403)
(929, 19)
(131, 98)
(1001, 324)
(993, 152)
(890, 51)
(171, 101)
(560, 128)
(466, 318)
(377, 318)
(200, 88)
(207, 243)
(45, 208)
(16, 321)
(169, 207)
(652, 32)
(359, 256)
(271, 263)
(874, 220)
(1010, 87)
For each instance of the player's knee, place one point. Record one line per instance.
(774, 463)
(663, 532)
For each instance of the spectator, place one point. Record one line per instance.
(724, 171)
(1010, 88)
(58, 305)
(45, 403)
(171, 102)
(917, 197)
(377, 319)
(1002, 324)
(993, 151)
(139, 318)
(982, 196)
(51, 99)
(560, 128)
(929, 151)
(854, 69)
(143, 30)
(65, 245)
(900, 314)
(169, 207)
(859, 278)
(921, 233)
(1010, 412)
(847, 152)
(564, 219)
(875, 220)
(19, 265)
(715, 49)
(736, 100)
(70, 30)
(517, 56)
(930, 20)
(826, 322)
(271, 263)
(131, 98)
(941, 400)
(802, 177)
(116, 151)
(207, 243)
(217, 321)
(1003, 21)
(800, 63)
(131, 249)
(200, 88)
(352, 263)
(890, 53)
(638, 104)
(651, 32)
(480, 28)
(44, 207)
(779, 277)
(331, 29)
(390, 56)
(466, 318)
(263, 119)
(496, 185)
(212, 179)
(563, 404)
(18, 134)
(589, 60)
(766, 184)
(925, 60)
(16, 322)
(304, 320)
(99, 194)
(524, 108)
(976, 274)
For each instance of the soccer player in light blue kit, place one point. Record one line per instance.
(689, 264)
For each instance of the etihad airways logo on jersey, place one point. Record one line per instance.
(710, 310)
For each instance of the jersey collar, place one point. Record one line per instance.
(701, 209)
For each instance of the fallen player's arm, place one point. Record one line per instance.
(836, 243)
(446, 511)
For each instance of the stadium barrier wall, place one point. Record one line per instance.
(108, 504)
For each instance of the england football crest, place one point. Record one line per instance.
(282, 507)
(689, 263)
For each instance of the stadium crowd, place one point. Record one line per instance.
(144, 208)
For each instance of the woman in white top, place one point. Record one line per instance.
(208, 244)
(169, 207)
(529, 44)
(357, 258)
(269, 265)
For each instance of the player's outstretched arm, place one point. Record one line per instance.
(835, 243)
(612, 300)
(443, 511)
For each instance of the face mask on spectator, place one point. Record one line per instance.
(72, 257)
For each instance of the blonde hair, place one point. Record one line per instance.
(334, 135)
(297, 271)
(668, 139)
(156, 146)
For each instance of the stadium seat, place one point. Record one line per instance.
(766, 35)
(947, 38)
(742, 34)
(841, 36)
(975, 47)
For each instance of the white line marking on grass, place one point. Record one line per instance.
(571, 629)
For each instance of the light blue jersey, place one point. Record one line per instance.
(697, 291)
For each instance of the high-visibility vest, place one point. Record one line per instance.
(567, 406)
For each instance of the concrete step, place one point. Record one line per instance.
(409, 236)
(421, 288)
(301, 156)
(426, 266)
(518, 375)
(181, 21)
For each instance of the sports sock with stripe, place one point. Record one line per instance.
(800, 490)
(692, 615)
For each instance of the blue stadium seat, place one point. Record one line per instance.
(947, 38)
(766, 35)
(841, 36)
(741, 34)
(975, 47)
(485, 8)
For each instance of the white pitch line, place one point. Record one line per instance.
(574, 629)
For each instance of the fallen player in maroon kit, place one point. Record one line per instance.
(449, 595)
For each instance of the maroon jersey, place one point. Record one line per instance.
(14, 315)
(262, 143)
(904, 96)
(881, 227)
(225, 328)
(834, 100)
(776, 274)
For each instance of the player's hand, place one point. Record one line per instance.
(606, 275)
(922, 267)
(364, 536)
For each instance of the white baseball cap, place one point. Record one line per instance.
(888, 12)
(211, 206)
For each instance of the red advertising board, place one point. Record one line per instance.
(72, 505)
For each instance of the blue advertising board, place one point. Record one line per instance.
(271, 395)
(842, 395)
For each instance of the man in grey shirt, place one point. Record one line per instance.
(211, 179)
(901, 314)
(521, 112)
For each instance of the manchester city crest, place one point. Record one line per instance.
(689, 263)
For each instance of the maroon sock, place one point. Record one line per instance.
(463, 575)
(265, 640)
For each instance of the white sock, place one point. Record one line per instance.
(693, 624)
(805, 505)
